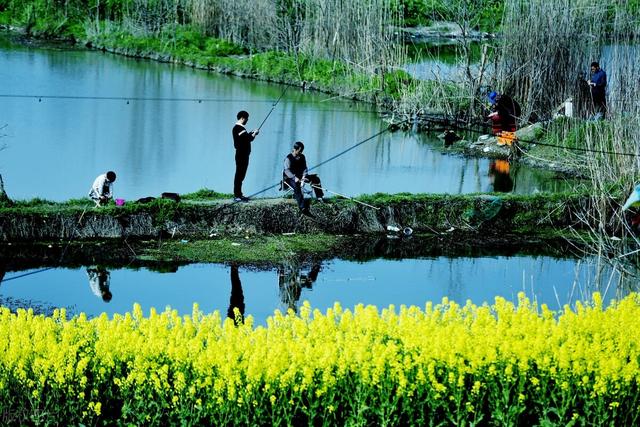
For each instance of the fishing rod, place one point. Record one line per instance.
(273, 106)
(346, 197)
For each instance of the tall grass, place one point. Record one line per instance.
(546, 52)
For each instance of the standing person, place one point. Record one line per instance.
(242, 143)
(102, 189)
(295, 174)
(598, 85)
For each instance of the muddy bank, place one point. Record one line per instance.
(536, 215)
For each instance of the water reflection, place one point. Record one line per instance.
(380, 282)
(182, 146)
(291, 282)
(500, 176)
(99, 281)
(235, 311)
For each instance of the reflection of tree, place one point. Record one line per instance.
(236, 301)
(291, 282)
(99, 282)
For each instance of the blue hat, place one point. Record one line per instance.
(492, 97)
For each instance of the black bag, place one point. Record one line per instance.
(171, 196)
(146, 200)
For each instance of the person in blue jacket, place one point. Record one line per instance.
(598, 86)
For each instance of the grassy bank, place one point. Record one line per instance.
(221, 230)
(188, 46)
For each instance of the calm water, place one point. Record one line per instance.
(380, 282)
(56, 147)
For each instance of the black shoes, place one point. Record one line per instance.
(241, 199)
(306, 212)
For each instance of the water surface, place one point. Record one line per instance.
(55, 147)
(379, 282)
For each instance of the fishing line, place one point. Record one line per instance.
(359, 143)
(26, 274)
(226, 205)
(273, 107)
(64, 250)
(168, 99)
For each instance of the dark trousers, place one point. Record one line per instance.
(599, 103)
(242, 163)
(297, 190)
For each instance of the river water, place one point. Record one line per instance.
(380, 282)
(72, 114)
(69, 115)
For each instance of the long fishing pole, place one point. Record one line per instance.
(273, 106)
(346, 197)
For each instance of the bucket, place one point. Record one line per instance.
(119, 202)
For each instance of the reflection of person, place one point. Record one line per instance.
(237, 297)
(598, 85)
(295, 174)
(499, 176)
(291, 282)
(242, 143)
(99, 282)
(102, 189)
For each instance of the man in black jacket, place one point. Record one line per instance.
(242, 143)
(295, 175)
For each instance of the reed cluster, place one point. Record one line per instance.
(545, 56)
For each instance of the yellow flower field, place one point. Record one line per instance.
(446, 364)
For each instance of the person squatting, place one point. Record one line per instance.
(102, 189)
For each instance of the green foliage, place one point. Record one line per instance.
(445, 53)
(485, 15)
(206, 194)
(219, 47)
(573, 133)
(263, 249)
(413, 12)
(5, 17)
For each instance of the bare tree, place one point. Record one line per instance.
(467, 15)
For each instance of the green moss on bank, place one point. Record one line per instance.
(244, 249)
